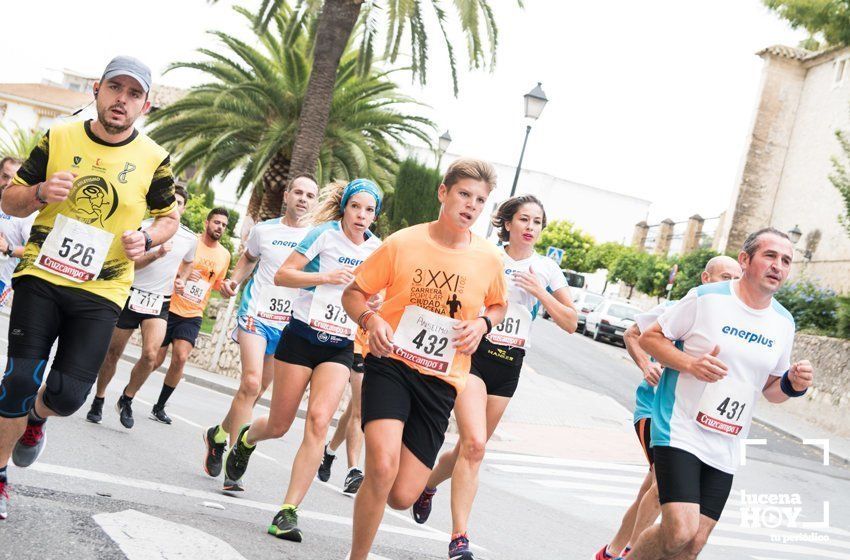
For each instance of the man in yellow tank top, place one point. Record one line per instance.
(91, 183)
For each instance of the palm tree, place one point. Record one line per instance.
(246, 115)
(18, 142)
(337, 22)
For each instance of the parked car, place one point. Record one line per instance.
(585, 302)
(609, 320)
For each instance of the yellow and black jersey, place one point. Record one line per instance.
(114, 185)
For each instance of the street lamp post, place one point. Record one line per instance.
(535, 101)
(443, 143)
(795, 234)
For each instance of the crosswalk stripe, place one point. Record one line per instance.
(567, 485)
(605, 501)
(520, 458)
(769, 532)
(806, 551)
(141, 536)
(733, 513)
(518, 469)
(203, 495)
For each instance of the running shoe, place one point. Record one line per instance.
(4, 500)
(29, 446)
(233, 485)
(353, 481)
(325, 468)
(626, 551)
(236, 462)
(124, 408)
(95, 414)
(159, 415)
(215, 451)
(422, 506)
(603, 554)
(459, 549)
(285, 525)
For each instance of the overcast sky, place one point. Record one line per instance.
(652, 99)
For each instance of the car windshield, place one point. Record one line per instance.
(590, 300)
(623, 312)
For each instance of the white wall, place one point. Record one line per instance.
(604, 214)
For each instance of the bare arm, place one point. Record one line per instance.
(355, 303)
(651, 370)
(801, 376)
(244, 266)
(20, 200)
(706, 368)
(291, 274)
(151, 256)
(560, 307)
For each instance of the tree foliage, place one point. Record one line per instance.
(406, 25)
(604, 255)
(653, 275)
(829, 19)
(18, 142)
(246, 115)
(840, 179)
(415, 196)
(691, 266)
(575, 243)
(626, 268)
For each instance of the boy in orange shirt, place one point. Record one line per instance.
(438, 276)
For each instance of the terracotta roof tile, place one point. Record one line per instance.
(41, 94)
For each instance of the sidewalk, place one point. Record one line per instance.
(555, 419)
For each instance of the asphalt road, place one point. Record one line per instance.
(103, 492)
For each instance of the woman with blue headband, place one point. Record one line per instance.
(317, 345)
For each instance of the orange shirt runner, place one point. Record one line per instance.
(213, 264)
(432, 287)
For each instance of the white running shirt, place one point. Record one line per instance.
(754, 344)
(329, 249)
(158, 277)
(271, 242)
(549, 275)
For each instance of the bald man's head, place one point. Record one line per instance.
(721, 269)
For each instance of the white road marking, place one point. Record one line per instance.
(567, 485)
(558, 461)
(541, 471)
(202, 495)
(804, 551)
(605, 501)
(783, 532)
(141, 537)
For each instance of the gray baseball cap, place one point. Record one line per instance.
(129, 66)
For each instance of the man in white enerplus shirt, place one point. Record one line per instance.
(264, 311)
(14, 232)
(147, 307)
(733, 340)
(643, 512)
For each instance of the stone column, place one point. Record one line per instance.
(639, 236)
(783, 77)
(692, 234)
(665, 236)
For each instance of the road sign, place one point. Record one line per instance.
(555, 254)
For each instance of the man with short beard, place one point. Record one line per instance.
(723, 344)
(185, 315)
(77, 268)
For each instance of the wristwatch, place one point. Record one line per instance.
(148, 240)
(9, 250)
